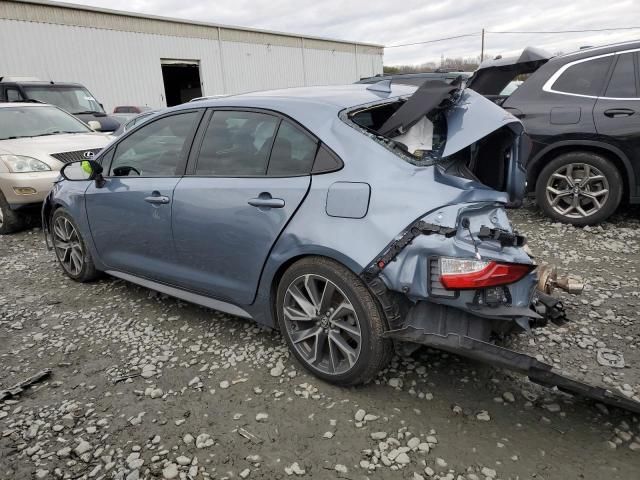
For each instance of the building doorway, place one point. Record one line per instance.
(181, 80)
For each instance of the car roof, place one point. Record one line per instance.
(24, 104)
(601, 50)
(42, 83)
(337, 97)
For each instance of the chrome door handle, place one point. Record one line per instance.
(265, 200)
(157, 199)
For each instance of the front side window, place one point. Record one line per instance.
(623, 79)
(74, 100)
(37, 121)
(293, 152)
(157, 149)
(584, 78)
(237, 144)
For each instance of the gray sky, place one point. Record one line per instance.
(391, 23)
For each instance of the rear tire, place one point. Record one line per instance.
(10, 220)
(579, 188)
(332, 324)
(70, 248)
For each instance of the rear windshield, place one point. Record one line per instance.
(422, 144)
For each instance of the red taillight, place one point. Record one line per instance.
(464, 274)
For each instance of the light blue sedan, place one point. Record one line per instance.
(346, 216)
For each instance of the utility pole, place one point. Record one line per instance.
(482, 47)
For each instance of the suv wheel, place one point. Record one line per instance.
(71, 250)
(331, 322)
(10, 220)
(580, 188)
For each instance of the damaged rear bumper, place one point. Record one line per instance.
(465, 334)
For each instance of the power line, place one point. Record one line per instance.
(433, 41)
(570, 31)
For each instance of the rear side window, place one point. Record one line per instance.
(293, 152)
(237, 144)
(623, 79)
(584, 78)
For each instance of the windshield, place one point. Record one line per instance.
(72, 99)
(36, 121)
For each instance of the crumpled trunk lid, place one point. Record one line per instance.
(494, 75)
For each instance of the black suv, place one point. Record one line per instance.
(582, 111)
(72, 97)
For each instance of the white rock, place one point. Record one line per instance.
(340, 468)
(395, 382)
(370, 417)
(509, 397)
(245, 473)
(378, 435)
(441, 463)
(403, 459)
(182, 460)
(360, 415)
(294, 468)
(413, 443)
(260, 417)
(170, 471)
(327, 435)
(488, 472)
(224, 384)
(41, 473)
(188, 439)
(194, 381)
(82, 447)
(483, 416)
(204, 440)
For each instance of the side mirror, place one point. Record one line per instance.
(82, 170)
(94, 125)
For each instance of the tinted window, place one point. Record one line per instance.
(13, 95)
(585, 78)
(293, 152)
(623, 79)
(237, 144)
(157, 149)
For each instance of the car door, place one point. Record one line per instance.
(248, 177)
(130, 214)
(617, 112)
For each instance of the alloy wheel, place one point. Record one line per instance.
(577, 190)
(322, 324)
(68, 246)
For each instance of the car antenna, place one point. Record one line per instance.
(381, 86)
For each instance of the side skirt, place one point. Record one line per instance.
(183, 294)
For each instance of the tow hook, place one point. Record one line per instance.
(548, 280)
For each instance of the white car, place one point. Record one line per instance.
(36, 140)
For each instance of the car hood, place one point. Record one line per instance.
(494, 75)
(42, 147)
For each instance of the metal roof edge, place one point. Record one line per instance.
(89, 8)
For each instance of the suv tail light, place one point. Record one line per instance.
(467, 274)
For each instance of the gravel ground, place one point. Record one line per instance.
(211, 396)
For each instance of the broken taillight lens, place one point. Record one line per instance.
(468, 274)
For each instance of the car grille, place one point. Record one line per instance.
(436, 289)
(67, 157)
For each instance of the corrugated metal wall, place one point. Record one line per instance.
(120, 66)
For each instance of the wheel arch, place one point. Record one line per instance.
(274, 272)
(610, 152)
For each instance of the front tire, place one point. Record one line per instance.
(10, 220)
(70, 248)
(331, 322)
(579, 188)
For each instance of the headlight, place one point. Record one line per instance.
(21, 164)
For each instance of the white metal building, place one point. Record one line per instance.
(129, 59)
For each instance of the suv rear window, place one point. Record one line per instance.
(623, 79)
(584, 78)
